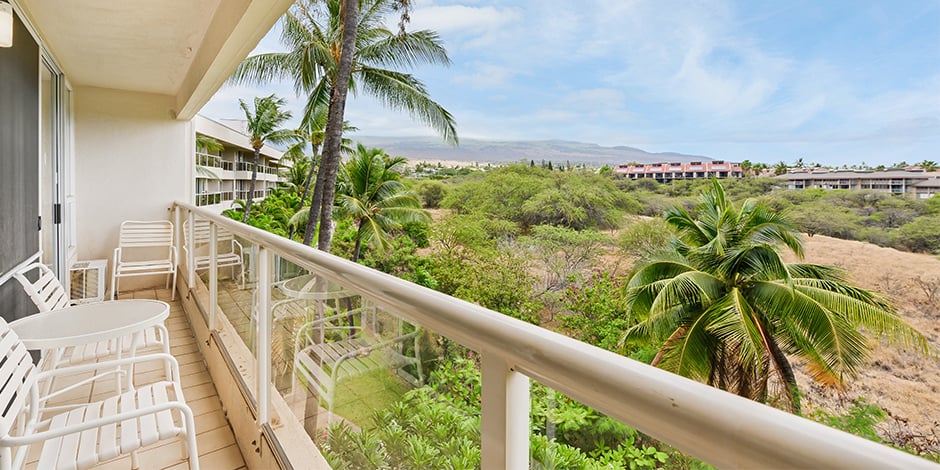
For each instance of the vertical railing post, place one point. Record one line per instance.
(504, 422)
(177, 234)
(264, 333)
(213, 273)
(190, 250)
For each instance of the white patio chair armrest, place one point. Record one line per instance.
(117, 258)
(239, 245)
(39, 436)
(174, 255)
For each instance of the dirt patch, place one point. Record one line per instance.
(905, 385)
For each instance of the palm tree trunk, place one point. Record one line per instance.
(355, 258)
(782, 364)
(251, 186)
(334, 125)
(303, 195)
(314, 213)
(313, 169)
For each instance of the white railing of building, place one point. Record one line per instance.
(720, 428)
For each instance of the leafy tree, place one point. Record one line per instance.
(565, 253)
(431, 193)
(265, 119)
(335, 45)
(922, 234)
(535, 196)
(597, 312)
(928, 165)
(727, 310)
(644, 237)
(371, 194)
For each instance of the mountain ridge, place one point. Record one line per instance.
(555, 150)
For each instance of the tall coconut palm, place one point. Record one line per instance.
(335, 45)
(369, 192)
(311, 135)
(727, 309)
(264, 125)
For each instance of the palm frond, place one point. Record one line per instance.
(402, 91)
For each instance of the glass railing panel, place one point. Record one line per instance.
(350, 371)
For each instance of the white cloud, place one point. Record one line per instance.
(475, 25)
(486, 76)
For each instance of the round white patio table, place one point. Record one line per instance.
(303, 287)
(89, 323)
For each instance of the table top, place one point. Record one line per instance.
(89, 323)
(302, 287)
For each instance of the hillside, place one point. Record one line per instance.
(906, 386)
(558, 151)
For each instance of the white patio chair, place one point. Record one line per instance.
(49, 294)
(144, 248)
(228, 252)
(332, 349)
(85, 434)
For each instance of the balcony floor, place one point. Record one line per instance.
(214, 437)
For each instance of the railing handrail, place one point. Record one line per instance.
(718, 427)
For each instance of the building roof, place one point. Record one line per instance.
(929, 183)
(230, 136)
(824, 174)
(678, 167)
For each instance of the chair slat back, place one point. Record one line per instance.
(201, 234)
(46, 292)
(16, 377)
(146, 234)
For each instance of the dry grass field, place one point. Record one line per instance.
(906, 386)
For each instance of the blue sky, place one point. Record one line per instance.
(834, 82)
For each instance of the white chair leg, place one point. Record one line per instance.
(189, 446)
(173, 287)
(114, 285)
(135, 461)
(164, 337)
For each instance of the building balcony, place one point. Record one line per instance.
(253, 330)
(219, 197)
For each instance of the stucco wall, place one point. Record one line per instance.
(132, 160)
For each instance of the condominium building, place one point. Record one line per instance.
(913, 181)
(664, 172)
(224, 176)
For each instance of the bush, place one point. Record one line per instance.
(431, 193)
(643, 237)
(923, 235)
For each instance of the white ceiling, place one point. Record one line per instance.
(141, 45)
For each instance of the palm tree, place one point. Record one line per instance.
(264, 125)
(311, 133)
(336, 45)
(727, 310)
(369, 191)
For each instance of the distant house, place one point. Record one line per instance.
(914, 181)
(927, 188)
(664, 172)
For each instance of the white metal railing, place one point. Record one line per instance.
(720, 428)
(205, 199)
(214, 161)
